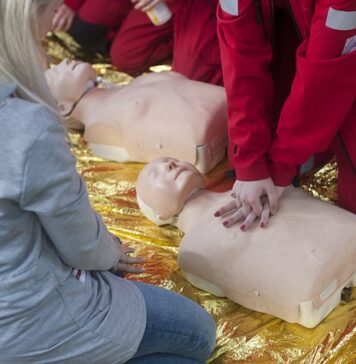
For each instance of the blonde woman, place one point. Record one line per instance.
(58, 301)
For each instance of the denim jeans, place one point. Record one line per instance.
(178, 331)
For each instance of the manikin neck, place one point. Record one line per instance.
(91, 84)
(197, 204)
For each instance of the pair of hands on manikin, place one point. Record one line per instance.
(251, 200)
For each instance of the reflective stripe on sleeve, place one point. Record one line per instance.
(350, 45)
(230, 6)
(341, 20)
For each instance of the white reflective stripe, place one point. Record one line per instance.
(350, 45)
(341, 20)
(230, 6)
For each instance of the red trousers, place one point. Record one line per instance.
(137, 44)
(320, 107)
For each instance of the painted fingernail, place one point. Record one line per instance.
(217, 214)
(243, 227)
(262, 225)
(225, 223)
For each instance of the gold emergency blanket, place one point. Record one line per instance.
(244, 336)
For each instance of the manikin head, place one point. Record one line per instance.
(68, 81)
(163, 187)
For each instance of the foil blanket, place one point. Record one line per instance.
(243, 336)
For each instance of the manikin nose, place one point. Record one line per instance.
(172, 164)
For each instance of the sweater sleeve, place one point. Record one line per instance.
(55, 192)
(322, 95)
(75, 5)
(246, 54)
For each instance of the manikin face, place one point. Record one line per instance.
(165, 185)
(67, 80)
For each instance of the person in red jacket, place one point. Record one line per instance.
(116, 27)
(319, 111)
(135, 43)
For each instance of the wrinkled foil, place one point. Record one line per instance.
(243, 336)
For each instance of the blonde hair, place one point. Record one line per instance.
(21, 55)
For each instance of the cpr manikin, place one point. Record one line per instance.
(294, 269)
(162, 114)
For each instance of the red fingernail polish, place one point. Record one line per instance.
(262, 225)
(243, 227)
(225, 223)
(217, 214)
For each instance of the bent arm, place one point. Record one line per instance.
(54, 191)
(246, 55)
(323, 92)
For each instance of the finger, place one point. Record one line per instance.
(132, 260)
(151, 5)
(232, 206)
(140, 4)
(67, 24)
(246, 209)
(233, 219)
(55, 23)
(256, 206)
(265, 215)
(61, 25)
(251, 217)
(273, 201)
(127, 249)
(128, 268)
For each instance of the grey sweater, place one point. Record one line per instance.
(49, 311)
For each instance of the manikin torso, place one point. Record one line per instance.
(294, 269)
(162, 114)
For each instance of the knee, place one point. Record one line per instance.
(207, 337)
(125, 60)
(211, 335)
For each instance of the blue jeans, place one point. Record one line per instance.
(178, 331)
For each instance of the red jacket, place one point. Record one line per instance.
(74, 4)
(318, 108)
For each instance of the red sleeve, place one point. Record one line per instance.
(322, 95)
(74, 4)
(246, 55)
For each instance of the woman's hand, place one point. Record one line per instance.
(127, 263)
(251, 200)
(233, 212)
(250, 193)
(145, 5)
(63, 19)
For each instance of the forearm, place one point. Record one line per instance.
(246, 55)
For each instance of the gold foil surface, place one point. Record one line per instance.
(243, 336)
